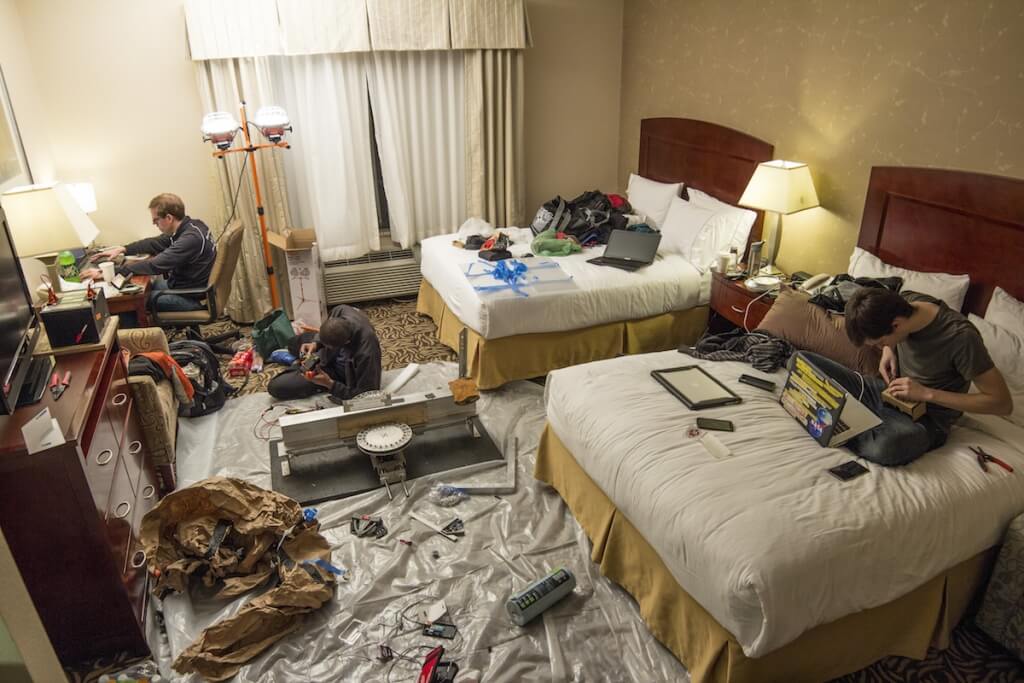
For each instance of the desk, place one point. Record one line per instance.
(123, 303)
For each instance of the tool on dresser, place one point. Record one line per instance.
(51, 295)
(58, 385)
(984, 458)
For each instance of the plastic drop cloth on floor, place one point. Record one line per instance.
(595, 634)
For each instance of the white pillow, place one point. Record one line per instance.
(950, 288)
(735, 224)
(651, 198)
(683, 224)
(1005, 311)
(1007, 351)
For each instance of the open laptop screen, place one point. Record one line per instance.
(628, 245)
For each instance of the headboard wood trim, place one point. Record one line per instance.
(704, 155)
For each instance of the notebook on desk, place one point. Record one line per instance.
(822, 406)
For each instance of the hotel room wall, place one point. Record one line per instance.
(843, 86)
(121, 109)
(572, 98)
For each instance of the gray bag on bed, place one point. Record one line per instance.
(1002, 611)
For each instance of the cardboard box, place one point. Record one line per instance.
(293, 239)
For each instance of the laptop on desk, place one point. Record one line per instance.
(629, 250)
(822, 406)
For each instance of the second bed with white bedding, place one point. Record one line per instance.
(601, 295)
(766, 540)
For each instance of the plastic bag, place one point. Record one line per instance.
(272, 332)
(446, 496)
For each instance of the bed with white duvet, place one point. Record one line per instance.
(766, 540)
(601, 294)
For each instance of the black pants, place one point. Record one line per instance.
(292, 384)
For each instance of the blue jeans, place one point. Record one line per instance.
(898, 440)
(171, 302)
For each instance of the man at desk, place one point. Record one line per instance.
(184, 252)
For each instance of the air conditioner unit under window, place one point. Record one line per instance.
(378, 275)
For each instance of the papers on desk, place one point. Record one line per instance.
(109, 290)
(42, 432)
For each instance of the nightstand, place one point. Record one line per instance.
(730, 300)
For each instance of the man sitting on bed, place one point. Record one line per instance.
(930, 353)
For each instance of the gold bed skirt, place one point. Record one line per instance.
(493, 362)
(905, 627)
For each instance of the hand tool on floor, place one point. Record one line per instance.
(985, 458)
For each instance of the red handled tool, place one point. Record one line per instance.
(57, 385)
(984, 458)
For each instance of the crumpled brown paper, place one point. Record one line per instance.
(178, 536)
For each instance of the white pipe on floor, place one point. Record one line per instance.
(403, 378)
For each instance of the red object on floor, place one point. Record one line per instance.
(240, 364)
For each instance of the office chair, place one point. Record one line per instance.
(215, 294)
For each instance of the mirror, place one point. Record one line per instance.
(14, 169)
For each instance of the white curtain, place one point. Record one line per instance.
(330, 172)
(419, 116)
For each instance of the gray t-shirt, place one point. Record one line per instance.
(946, 354)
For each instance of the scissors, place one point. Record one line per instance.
(985, 458)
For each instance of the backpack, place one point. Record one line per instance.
(554, 214)
(211, 391)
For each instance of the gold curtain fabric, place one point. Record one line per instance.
(494, 136)
(222, 85)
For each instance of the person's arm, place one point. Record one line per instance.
(364, 376)
(148, 245)
(888, 368)
(992, 398)
(181, 252)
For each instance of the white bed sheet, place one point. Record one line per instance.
(766, 540)
(602, 295)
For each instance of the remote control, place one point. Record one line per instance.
(528, 603)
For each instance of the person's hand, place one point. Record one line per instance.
(887, 366)
(90, 274)
(107, 254)
(907, 389)
(307, 348)
(321, 378)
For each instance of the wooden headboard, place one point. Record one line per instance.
(712, 158)
(936, 220)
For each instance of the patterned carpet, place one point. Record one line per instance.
(407, 337)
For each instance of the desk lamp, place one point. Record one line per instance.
(782, 187)
(220, 128)
(44, 219)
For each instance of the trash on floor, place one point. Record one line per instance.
(236, 537)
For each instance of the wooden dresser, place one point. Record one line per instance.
(732, 301)
(71, 514)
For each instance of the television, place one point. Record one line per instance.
(19, 330)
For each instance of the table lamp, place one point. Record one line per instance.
(44, 220)
(782, 187)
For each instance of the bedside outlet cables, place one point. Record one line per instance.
(221, 129)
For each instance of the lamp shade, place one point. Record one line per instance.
(45, 219)
(84, 194)
(272, 122)
(220, 128)
(780, 186)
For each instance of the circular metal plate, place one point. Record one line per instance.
(384, 438)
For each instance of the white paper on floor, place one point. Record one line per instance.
(595, 634)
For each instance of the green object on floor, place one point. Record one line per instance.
(272, 333)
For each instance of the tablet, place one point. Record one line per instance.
(695, 387)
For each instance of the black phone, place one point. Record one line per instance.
(848, 470)
(438, 630)
(758, 382)
(711, 423)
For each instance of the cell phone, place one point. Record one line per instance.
(848, 470)
(711, 423)
(119, 281)
(438, 630)
(758, 382)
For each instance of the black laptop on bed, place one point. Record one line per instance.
(629, 250)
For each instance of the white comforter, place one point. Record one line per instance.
(602, 295)
(766, 540)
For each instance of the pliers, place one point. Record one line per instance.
(57, 385)
(985, 458)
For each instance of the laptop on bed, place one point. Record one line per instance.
(830, 414)
(629, 250)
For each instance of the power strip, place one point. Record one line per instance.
(530, 602)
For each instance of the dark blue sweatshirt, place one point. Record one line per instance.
(186, 257)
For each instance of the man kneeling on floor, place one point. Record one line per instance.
(349, 359)
(930, 353)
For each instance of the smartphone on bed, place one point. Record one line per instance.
(848, 470)
(711, 424)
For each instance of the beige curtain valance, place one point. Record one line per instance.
(227, 29)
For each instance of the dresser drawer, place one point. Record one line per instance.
(101, 462)
(132, 449)
(135, 578)
(118, 400)
(731, 302)
(120, 508)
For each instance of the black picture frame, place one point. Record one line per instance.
(732, 398)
